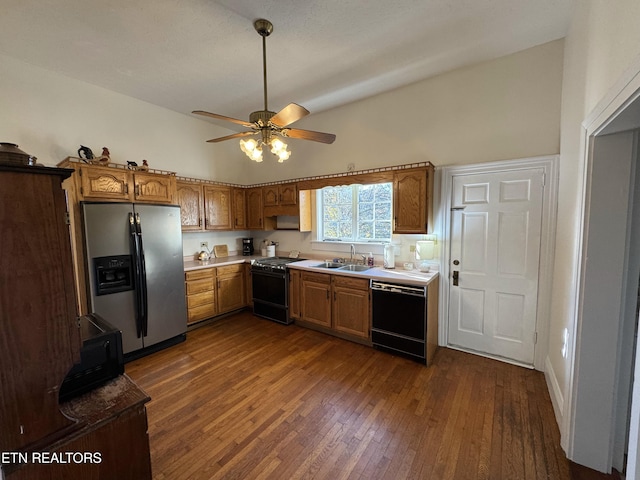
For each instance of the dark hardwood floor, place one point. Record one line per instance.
(245, 398)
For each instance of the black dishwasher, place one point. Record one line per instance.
(399, 319)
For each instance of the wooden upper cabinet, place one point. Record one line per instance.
(118, 184)
(103, 183)
(153, 188)
(255, 213)
(280, 195)
(217, 208)
(239, 209)
(412, 191)
(288, 194)
(190, 198)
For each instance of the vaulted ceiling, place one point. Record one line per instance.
(205, 54)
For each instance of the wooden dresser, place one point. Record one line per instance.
(40, 342)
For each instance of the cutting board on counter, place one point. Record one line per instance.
(220, 251)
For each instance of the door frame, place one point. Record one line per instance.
(550, 168)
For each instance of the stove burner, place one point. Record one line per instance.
(273, 263)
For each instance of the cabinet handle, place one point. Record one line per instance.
(200, 222)
(126, 188)
(327, 294)
(137, 190)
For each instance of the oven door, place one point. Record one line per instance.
(270, 295)
(269, 287)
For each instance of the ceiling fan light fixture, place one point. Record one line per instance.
(252, 149)
(268, 123)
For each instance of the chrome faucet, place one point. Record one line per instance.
(353, 251)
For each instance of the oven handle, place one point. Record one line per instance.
(267, 273)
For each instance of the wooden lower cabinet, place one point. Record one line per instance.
(111, 442)
(230, 288)
(295, 306)
(339, 304)
(214, 291)
(351, 311)
(316, 298)
(201, 294)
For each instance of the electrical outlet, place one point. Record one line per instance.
(204, 245)
(412, 248)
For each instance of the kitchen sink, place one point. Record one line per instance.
(355, 268)
(329, 265)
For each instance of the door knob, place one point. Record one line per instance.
(455, 278)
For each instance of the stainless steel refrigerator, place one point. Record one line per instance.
(136, 272)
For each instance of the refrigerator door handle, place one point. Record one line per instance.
(143, 279)
(136, 262)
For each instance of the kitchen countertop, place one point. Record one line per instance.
(218, 262)
(399, 275)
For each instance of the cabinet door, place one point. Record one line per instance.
(294, 293)
(316, 299)
(271, 196)
(255, 209)
(288, 194)
(217, 207)
(189, 196)
(351, 311)
(230, 288)
(149, 187)
(239, 209)
(410, 202)
(104, 183)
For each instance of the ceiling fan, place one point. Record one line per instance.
(267, 124)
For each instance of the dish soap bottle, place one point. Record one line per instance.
(370, 259)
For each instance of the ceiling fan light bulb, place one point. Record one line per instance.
(277, 146)
(283, 155)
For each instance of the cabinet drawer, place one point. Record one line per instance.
(200, 274)
(316, 277)
(199, 286)
(350, 282)
(230, 269)
(201, 313)
(198, 299)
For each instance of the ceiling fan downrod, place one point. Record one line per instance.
(264, 28)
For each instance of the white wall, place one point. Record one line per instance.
(501, 109)
(602, 43)
(49, 116)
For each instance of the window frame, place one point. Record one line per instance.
(355, 215)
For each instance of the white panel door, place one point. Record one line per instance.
(495, 251)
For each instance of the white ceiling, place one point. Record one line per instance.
(205, 54)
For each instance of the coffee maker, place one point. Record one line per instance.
(247, 246)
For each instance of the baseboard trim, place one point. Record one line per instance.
(555, 392)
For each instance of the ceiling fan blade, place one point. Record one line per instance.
(309, 135)
(222, 117)
(229, 137)
(289, 114)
